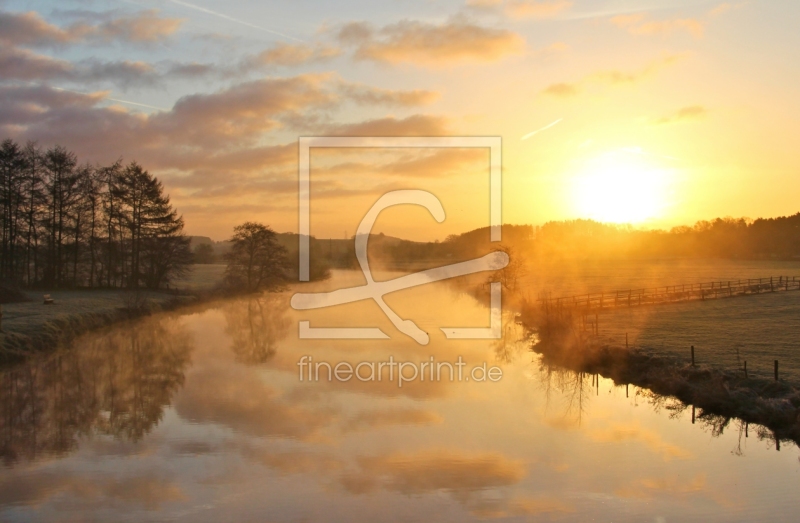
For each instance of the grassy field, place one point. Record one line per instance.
(30, 317)
(201, 277)
(725, 332)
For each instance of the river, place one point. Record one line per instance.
(201, 415)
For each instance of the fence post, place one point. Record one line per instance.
(692, 355)
(745, 369)
(776, 370)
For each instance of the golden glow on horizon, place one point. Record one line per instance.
(620, 187)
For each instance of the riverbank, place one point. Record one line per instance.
(774, 404)
(31, 326)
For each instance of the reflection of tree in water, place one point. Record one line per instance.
(256, 326)
(570, 385)
(575, 390)
(513, 342)
(116, 383)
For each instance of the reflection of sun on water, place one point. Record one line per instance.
(620, 187)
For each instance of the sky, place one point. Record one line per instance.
(651, 113)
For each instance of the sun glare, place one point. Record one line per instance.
(620, 187)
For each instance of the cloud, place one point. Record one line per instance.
(611, 77)
(288, 55)
(144, 26)
(197, 124)
(523, 8)
(30, 29)
(414, 125)
(386, 418)
(26, 65)
(673, 487)
(23, 64)
(123, 73)
(211, 133)
(426, 44)
(33, 487)
(240, 114)
(562, 90)
(293, 462)
(633, 432)
(405, 163)
(462, 474)
(519, 506)
(638, 25)
(367, 95)
(238, 398)
(693, 112)
(222, 152)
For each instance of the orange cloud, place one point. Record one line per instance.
(520, 506)
(633, 432)
(415, 125)
(36, 487)
(293, 54)
(237, 398)
(384, 418)
(424, 163)
(213, 148)
(611, 77)
(145, 26)
(428, 471)
(673, 487)
(30, 29)
(426, 44)
(363, 94)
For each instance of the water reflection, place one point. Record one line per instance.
(117, 383)
(244, 439)
(255, 326)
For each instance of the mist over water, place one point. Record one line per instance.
(200, 416)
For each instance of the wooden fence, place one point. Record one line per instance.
(673, 293)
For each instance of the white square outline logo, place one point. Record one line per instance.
(376, 290)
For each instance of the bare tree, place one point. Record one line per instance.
(256, 261)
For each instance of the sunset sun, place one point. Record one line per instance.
(620, 187)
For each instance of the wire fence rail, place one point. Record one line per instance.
(594, 302)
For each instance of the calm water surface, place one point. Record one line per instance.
(201, 416)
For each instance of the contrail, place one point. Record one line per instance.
(137, 103)
(114, 99)
(537, 131)
(230, 18)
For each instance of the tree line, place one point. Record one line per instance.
(66, 224)
(727, 238)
